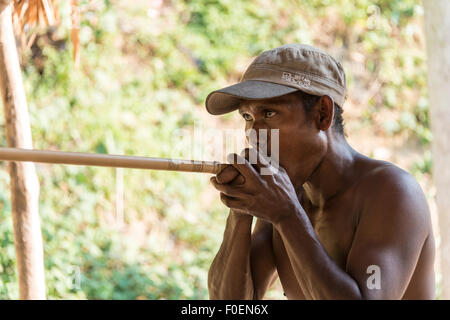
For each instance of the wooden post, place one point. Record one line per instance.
(24, 182)
(3, 4)
(437, 26)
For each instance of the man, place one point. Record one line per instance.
(331, 223)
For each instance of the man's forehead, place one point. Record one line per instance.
(285, 100)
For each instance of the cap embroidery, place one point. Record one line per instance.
(296, 79)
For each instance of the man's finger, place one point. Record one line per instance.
(232, 203)
(268, 166)
(259, 161)
(230, 175)
(242, 165)
(265, 162)
(228, 189)
(250, 155)
(258, 158)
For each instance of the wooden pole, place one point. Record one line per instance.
(3, 4)
(108, 160)
(437, 26)
(24, 182)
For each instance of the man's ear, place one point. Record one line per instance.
(324, 113)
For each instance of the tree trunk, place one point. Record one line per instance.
(3, 4)
(24, 182)
(437, 26)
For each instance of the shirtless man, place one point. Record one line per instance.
(331, 223)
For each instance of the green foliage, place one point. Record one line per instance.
(423, 165)
(140, 80)
(8, 273)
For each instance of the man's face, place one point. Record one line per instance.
(301, 144)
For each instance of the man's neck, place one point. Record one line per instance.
(334, 173)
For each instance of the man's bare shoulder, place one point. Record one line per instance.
(382, 176)
(392, 193)
(393, 231)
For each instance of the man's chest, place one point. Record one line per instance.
(334, 227)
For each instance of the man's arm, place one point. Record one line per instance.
(236, 271)
(391, 232)
(244, 266)
(262, 260)
(229, 276)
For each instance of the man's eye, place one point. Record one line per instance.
(269, 113)
(247, 117)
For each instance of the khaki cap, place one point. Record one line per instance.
(280, 71)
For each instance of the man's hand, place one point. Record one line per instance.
(229, 175)
(269, 197)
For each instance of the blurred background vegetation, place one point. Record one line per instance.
(145, 70)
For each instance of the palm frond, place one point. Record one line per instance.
(30, 16)
(75, 15)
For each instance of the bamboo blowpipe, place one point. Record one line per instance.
(106, 160)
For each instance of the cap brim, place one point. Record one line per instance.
(227, 99)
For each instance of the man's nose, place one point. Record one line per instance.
(259, 124)
(258, 133)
